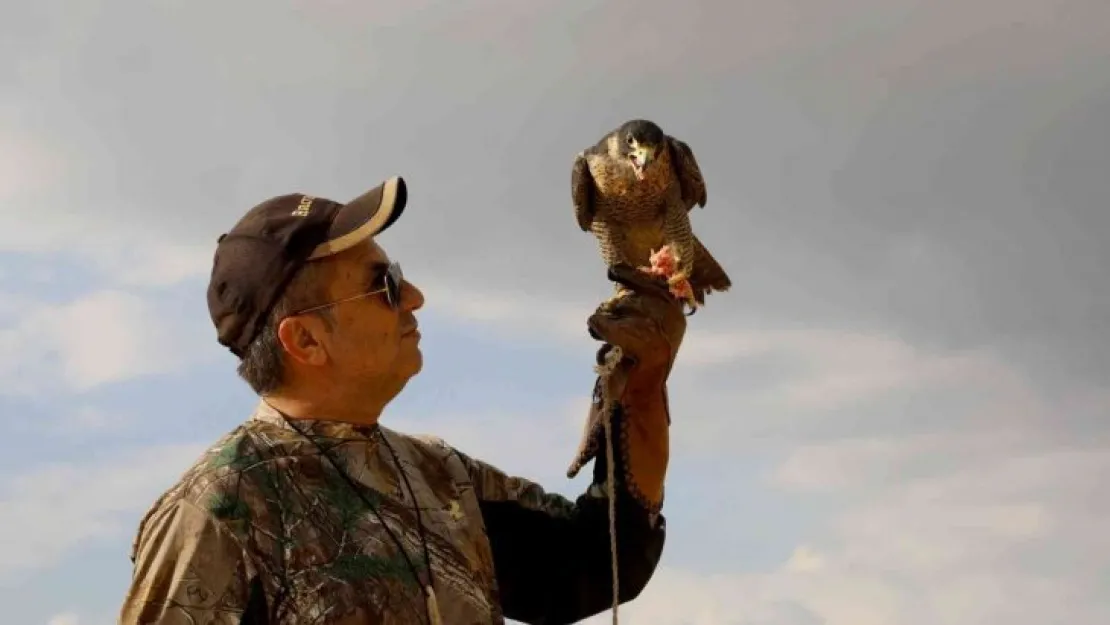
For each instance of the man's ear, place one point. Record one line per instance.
(300, 336)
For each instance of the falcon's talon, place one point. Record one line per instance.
(692, 302)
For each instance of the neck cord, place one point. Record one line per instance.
(430, 604)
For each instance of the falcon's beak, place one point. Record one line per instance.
(641, 157)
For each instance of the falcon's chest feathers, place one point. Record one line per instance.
(621, 196)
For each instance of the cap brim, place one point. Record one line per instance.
(363, 217)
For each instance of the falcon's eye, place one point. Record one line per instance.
(631, 140)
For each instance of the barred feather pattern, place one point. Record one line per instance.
(680, 236)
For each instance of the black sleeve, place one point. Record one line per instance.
(552, 556)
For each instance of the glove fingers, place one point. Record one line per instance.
(643, 337)
(639, 281)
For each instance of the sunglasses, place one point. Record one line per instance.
(392, 279)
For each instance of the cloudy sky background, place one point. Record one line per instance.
(897, 417)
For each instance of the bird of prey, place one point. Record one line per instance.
(634, 190)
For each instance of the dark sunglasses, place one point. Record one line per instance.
(392, 279)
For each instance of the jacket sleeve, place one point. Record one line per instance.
(552, 556)
(189, 569)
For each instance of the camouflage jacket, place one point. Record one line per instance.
(262, 529)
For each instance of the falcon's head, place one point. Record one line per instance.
(640, 141)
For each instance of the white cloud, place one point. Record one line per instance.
(844, 364)
(539, 446)
(987, 513)
(823, 468)
(76, 618)
(153, 263)
(677, 596)
(56, 508)
(982, 517)
(558, 321)
(121, 252)
(987, 538)
(1009, 538)
(96, 339)
(542, 315)
(791, 385)
(84, 420)
(804, 560)
(827, 367)
(26, 165)
(124, 257)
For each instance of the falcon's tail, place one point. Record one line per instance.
(708, 275)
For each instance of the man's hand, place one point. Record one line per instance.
(647, 324)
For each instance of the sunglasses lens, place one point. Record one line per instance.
(393, 280)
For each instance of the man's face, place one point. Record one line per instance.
(371, 348)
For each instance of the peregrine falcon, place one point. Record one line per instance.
(633, 190)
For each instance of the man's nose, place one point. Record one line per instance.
(412, 298)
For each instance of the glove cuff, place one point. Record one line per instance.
(640, 425)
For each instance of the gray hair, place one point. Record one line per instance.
(263, 362)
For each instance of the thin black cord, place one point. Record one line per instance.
(358, 492)
(415, 505)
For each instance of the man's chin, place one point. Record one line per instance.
(414, 361)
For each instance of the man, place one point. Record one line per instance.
(312, 512)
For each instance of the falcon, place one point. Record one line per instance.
(634, 190)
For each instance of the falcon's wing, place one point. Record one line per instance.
(582, 192)
(689, 174)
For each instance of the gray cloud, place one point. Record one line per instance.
(878, 164)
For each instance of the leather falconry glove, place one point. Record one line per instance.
(647, 324)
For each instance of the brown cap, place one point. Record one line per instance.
(257, 258)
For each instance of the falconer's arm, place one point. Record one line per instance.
(552, 556)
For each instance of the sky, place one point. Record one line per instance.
(897, 416)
